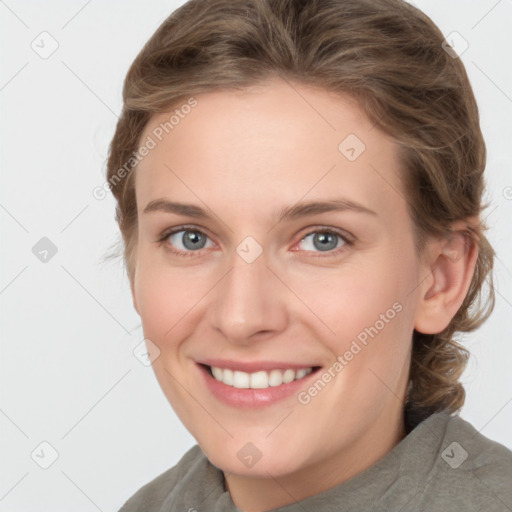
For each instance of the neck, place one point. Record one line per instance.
(263, 494)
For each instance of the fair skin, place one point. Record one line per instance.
(242, 157)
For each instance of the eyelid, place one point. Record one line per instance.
(166, 233)
(347, 238)
(185, 227)
(345, 235)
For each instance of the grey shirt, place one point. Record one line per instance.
(443, 464)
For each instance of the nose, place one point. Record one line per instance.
(249, 302)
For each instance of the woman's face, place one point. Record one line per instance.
(291, 270)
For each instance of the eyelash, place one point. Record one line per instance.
(348, 241)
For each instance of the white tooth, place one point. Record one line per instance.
(259, 380)
(227, 377)
(217, 373)
(300, 374)
(275, 378)
(241, 380)
(288, 376)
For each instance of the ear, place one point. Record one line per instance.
(452, 266)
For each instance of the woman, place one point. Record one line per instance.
(299, 190)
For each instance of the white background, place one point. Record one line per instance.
(68, 328)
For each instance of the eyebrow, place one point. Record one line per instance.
(288, 213)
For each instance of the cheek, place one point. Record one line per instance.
(160, 299)
(170, 300)
(365, 303)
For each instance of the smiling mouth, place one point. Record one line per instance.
(258, 380)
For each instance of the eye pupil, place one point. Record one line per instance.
(326, 241)
(194, 240)
(190, 239)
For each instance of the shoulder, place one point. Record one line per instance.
(477, 453)
(155, 493)
(472, 469)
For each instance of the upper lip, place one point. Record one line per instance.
(254, 366)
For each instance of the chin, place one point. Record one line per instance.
(250, 460)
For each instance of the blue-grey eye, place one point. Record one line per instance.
(189, 239)
(323, 241)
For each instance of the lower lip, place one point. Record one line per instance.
(252, 398)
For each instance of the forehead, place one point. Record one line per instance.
(270, 143)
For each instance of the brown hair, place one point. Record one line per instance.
(387, 55)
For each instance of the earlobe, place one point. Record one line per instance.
(447, 285)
